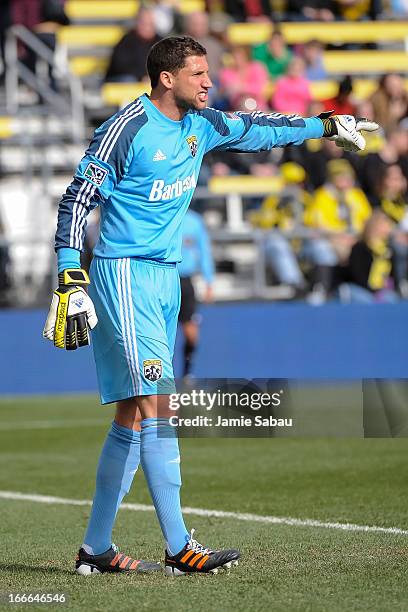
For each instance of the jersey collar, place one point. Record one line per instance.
(148, 104)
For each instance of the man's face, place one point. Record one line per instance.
(191, 83)
(145, 26)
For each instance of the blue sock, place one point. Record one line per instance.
(160, 459)
(118, 464)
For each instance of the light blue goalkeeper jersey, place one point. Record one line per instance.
(141, 169)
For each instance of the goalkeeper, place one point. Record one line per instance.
(141, 168)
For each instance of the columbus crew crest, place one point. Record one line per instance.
(152, 369)
(193, 144)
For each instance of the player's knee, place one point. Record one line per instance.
(128, 414)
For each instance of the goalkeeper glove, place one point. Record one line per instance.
(71, 313)
(345, 130)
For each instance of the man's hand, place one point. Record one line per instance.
(209, 294)
(345, 130)
(71, 313)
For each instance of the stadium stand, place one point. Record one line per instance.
(41, 137)
(380, 32)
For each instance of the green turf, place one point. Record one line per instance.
(283, 568)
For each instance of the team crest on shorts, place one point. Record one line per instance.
(152, 369)
(95, 174)
(193, 144)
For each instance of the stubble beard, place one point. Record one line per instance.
(187, 105)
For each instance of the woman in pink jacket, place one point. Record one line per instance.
(292, 92)
(244, 79)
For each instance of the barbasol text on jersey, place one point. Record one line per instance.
(160, 191)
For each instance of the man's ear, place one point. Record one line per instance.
(167, 79)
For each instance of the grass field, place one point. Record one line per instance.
(50, 447)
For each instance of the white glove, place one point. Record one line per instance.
(348, 130)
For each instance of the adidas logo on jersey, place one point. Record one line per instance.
(161, 191)
(159, 155)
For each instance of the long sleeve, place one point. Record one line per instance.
(104, 164)
(252, 132)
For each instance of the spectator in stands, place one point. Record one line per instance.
(312, 54)
(342, 103)
(247, 10)
(370, 269)
(394, 203)
(338, 210)
(244, 79)
(128, 60)
(356, 10)
(5, 277)
(393, 193)
(373, 166)
(282, 214)
(400, 141)
(292, 92)
(390, 101)
(197, 26)
(275, 54)
(311, 10)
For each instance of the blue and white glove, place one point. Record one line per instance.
(346, 130)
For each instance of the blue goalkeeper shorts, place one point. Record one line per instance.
(137, 302)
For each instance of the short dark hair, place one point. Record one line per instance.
(170, 54)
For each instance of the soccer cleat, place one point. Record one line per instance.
(111, 561)
(195, 558)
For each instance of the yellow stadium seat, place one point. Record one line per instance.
(248, 33)
(120, 94)
(6, 128)
(364, 62)
(87, 65)
(244, 184)
(90, 36)
(191, 6)
(362, 88)
(336, 32)
(101, 9)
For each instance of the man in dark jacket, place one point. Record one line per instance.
(128, 61)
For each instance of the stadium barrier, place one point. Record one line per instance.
(280, 340)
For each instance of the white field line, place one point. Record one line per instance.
(238, 516)
(51, 424)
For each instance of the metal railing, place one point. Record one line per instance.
(38, 81)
